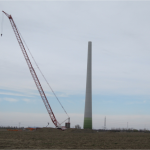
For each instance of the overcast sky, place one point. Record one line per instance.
(57, 34)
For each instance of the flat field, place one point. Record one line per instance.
(73, 139)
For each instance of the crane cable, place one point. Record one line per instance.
(2, 23)
(43, 76)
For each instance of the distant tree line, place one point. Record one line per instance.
(125, 130)
(11, 127)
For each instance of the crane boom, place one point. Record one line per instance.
(32, 71)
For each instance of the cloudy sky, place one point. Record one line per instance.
(57, 34)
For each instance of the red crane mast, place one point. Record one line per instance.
(33, 73)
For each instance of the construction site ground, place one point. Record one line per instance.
(72, 139)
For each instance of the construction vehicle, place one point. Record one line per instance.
(34, 75)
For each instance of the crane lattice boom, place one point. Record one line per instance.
(32, 71)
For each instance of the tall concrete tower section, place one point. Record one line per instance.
(88, 97)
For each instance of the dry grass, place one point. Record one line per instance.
(73, 139)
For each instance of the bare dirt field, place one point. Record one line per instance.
(73, 139)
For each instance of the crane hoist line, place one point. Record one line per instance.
(35, 78)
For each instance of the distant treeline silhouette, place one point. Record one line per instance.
(11, 127)
(124, 130)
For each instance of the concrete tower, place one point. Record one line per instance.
(88, 98)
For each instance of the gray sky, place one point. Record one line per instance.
(57, 34)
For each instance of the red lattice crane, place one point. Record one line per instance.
(33, 73)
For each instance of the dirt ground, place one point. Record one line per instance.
(73, 139)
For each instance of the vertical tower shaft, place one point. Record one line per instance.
(88, 98)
